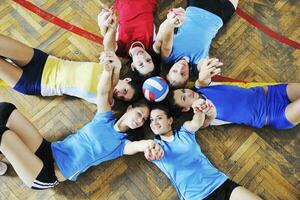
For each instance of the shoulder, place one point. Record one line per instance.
(104, 116)
(183, 130)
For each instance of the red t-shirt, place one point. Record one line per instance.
(136, 23)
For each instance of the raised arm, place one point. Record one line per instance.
(166, 31)
(105, 83)
(107, 22)
(207, 67)
(204, 113)
(151, 149)
(196, 123)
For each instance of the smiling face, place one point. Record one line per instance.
(141, 61)
(179, 73)
(123, 90)
(184, 98)
(159, 122)
(136, 117)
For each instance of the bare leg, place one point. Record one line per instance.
(24, 130)
(9, 73)
(292, 112)
(293, 91)
(24, 161)
(31, 139)
(18, 52)
(234, 3)
(242, 193)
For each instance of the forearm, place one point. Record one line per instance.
(105, 83)
(135, 147)
(116, 76)
(198, 119)
(109, 41)
(202, 83)
(167, 40)
(196, 123)
(207, 121)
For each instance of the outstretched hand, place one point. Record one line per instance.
(208, 68)
(204, 106)
(110, 61)
(153, 151)
(106, 20)
(175, 17)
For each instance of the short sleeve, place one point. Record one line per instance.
(104, 117)
(184, 130)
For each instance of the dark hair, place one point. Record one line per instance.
(174, 87)
(139, 133)
(162, 107)
(156, 71)
(140, 103)
(137, 87)
(174, 107)
(142, 77)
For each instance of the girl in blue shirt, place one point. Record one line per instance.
(197, 26)
(41, 164)
(188, 169)
(277, 106)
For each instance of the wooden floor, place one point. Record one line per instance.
(264, 160)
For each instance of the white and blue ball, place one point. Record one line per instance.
(155, 89)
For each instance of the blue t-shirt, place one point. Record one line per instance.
(238, 105)
(188, 169)
(93, 144)
(194, 37)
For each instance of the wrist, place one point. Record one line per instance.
(202, 83)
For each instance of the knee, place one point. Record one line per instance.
(3, 129)
(5, 111)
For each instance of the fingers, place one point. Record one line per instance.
(108, 59)
(157, 151)
(209, 108)
(176, 16)
(199, 105)
(106, 17)
(147, 154)
(216, 71)
(103, 15)
(153, 151)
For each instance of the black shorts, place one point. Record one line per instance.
(46, 178)
(30, 80)
(223, 8)
(223, 192)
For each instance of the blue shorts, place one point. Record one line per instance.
(30, 81)
(277, 101)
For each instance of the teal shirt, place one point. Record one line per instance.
(91, 145)
(188, 169)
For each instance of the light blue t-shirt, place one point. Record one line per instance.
(238, 105)
(93, 144)
(194, 37)
(188, 169)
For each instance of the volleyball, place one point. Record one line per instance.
(155, 89)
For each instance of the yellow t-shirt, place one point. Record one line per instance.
(79, 79)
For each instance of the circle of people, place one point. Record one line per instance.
(180, 48)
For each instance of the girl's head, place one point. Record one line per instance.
(160, 119)
(127, 90)
(136, 115)
(142, 63)
(178, 74)
(181, 100)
